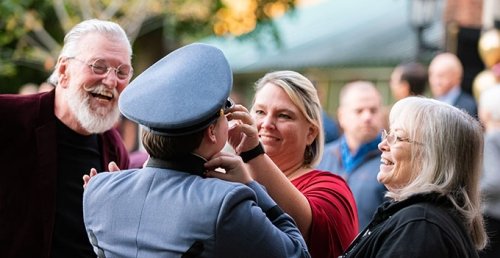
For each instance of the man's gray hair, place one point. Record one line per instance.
(72, 39)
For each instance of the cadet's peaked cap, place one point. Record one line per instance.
(180, 94)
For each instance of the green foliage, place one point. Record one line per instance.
(15, 23)
(31, 31)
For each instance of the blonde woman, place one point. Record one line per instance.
(286, 118)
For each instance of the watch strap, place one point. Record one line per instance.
(251, 154)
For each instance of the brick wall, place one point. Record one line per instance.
(465, 13)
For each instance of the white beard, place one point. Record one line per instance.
(93, 120)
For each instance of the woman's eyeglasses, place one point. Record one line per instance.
(100, 67)
(391, 138)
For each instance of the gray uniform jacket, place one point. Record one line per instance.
(160, 211)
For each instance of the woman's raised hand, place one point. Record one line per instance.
(242, 134)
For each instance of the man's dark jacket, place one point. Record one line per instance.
(466, 102)
(28, 156)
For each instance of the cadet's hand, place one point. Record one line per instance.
(243, 134)
(86, 178)
(112, 167)
(235, 169)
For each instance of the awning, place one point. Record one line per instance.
(334, 33)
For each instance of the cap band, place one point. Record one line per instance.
(193, 128)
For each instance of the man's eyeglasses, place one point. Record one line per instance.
(100, 67)
(392, 138)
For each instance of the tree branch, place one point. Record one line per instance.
(62, 15)
(111, 10)
(133, 21)
(86, 9)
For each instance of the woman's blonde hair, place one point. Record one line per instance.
(447, 158)
(305, 97)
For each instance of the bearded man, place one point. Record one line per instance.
(50, 140)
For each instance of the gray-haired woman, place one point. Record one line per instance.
(430, 163)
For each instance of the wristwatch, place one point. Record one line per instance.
(251, 154)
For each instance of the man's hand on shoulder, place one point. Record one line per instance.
(112, 167)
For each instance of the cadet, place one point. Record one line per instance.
(170, 208)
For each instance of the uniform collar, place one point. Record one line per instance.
(192, 164)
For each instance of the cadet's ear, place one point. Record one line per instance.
(210, 133)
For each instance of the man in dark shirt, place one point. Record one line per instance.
(50, 140)
(445, 75)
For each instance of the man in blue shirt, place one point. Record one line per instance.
(355, 155)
